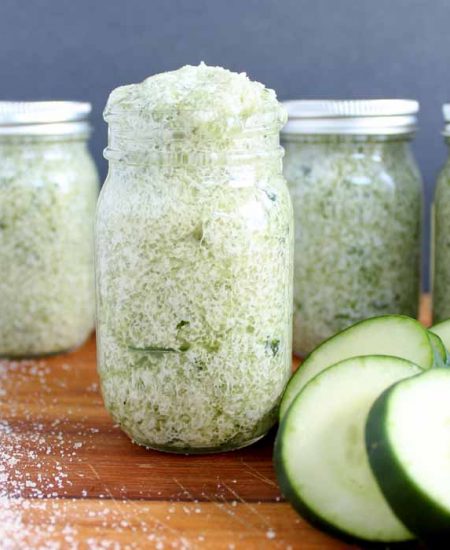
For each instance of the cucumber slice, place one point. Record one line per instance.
(442, 330)
(320, 455)
(395, 335)
(408, 444)
(440, 351)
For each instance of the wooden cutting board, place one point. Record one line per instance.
(69, 478)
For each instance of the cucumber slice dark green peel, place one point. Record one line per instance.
(320, 457)
(398, 469)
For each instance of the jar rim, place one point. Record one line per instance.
(204, 137)
(153, 119)
(358, 117)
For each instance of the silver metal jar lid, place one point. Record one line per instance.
(446, 113)
(44, 118)
(360, 116)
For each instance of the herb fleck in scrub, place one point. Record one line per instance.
(194, 261)
(357, 198)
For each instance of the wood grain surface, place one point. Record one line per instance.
(69, 478)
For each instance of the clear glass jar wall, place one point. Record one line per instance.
(441, 236)
(194, 281)
(358, 206)
(48, 193)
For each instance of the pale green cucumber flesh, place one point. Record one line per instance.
(408, 444)
(395, 335)
(320, 455)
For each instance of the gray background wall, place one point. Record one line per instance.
(81, 49)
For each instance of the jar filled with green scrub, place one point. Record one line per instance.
(48, 193)
(441, 235)
(357, 197)
(194, 248)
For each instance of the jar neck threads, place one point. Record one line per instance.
(200, 139)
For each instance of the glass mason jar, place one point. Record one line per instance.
(194, 262)
(440, 261)
(48, 193)
(357, 197)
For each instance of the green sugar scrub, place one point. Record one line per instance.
(357, 198)
(441, 271)
(194, 254)
(441, 236)
(48, 194)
